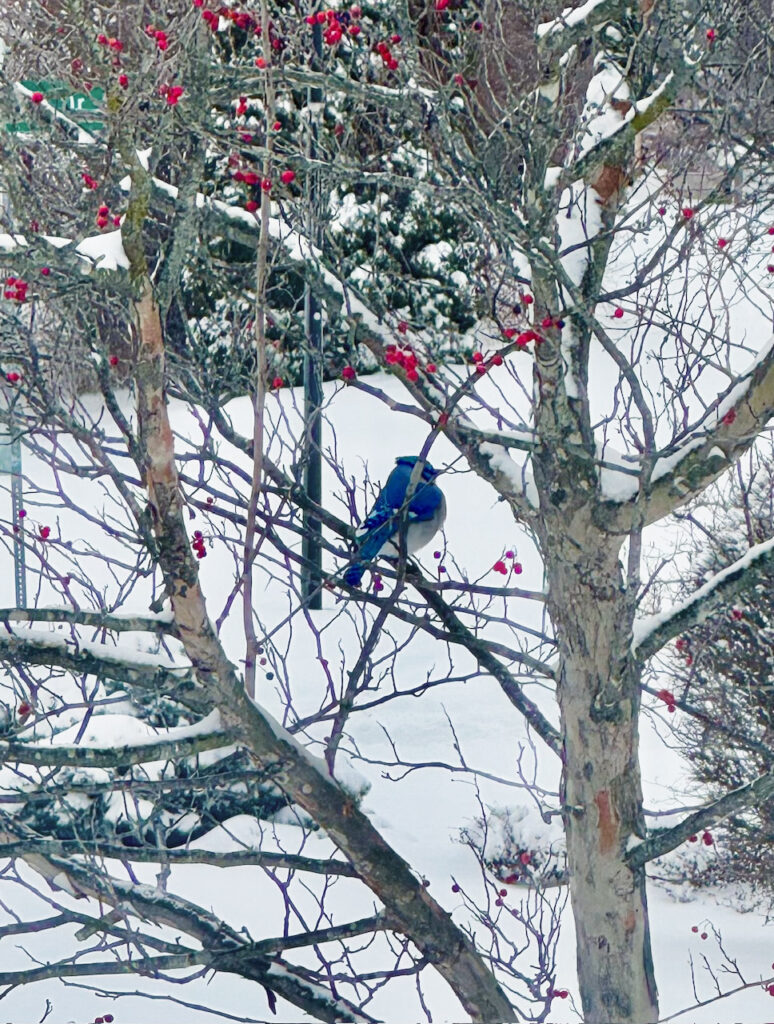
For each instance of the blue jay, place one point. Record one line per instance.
(380, 532)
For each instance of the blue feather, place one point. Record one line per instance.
(380, 530)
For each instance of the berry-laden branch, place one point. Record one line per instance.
(664, 840)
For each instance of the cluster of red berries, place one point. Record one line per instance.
(198, 544)
(16, 289)
(211, 17)
(682, 647)
(103, 217)
(171, 93)
(668, 698)
(162, 42)
(390, 61)
(13, 377)
(558, 993)
(24, 709)
(482, 365)
(114, 44)
(501, 567)
(106, 1018)
(695, 929)
(377, 583)
(706, 838)
(45, 532)
(523, 339)
(89, 182)
(407, 360)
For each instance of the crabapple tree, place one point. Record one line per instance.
(550, 232)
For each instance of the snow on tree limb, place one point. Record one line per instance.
(652, 632)
(663, 841)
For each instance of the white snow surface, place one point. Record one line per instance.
(422, 814)
(569, 17)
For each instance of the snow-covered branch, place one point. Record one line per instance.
(652, 632)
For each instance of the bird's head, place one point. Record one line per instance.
(428, 472)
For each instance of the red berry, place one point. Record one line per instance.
(266, 184)
(260, 62)
(412, 375)
(525, 857)
(441, 5)
(693, 839)
(499, 566)
(23, 709)
(497, 359)
(455, 888)
(13, 378)
(478, 357)
(481, 368)
(703, 935)
(687, 212)
(45, 532)
(458, 79)
(277, 126)
(436, 554)
(729, 417)
(123, 81)
(403, 327)
(546, 322)
(710, 35)
(661, 211)
(695, 928)
(287, 176)
(517, 568)
(113, 360)
(22, 513)
(45, 271)
(251, 206)
(37, 97)
(707, 839)
(277, 382)
(431, 368)
(527, 300)
(736, 613)
(722, 243)
(618, 313)
(348, 373)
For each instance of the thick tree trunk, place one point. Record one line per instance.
(599, 700)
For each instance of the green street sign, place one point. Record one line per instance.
(83, 107)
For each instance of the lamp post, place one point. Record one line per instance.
(311, 548)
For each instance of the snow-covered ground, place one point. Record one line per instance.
(421, 812)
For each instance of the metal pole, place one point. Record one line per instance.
(311, 571)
